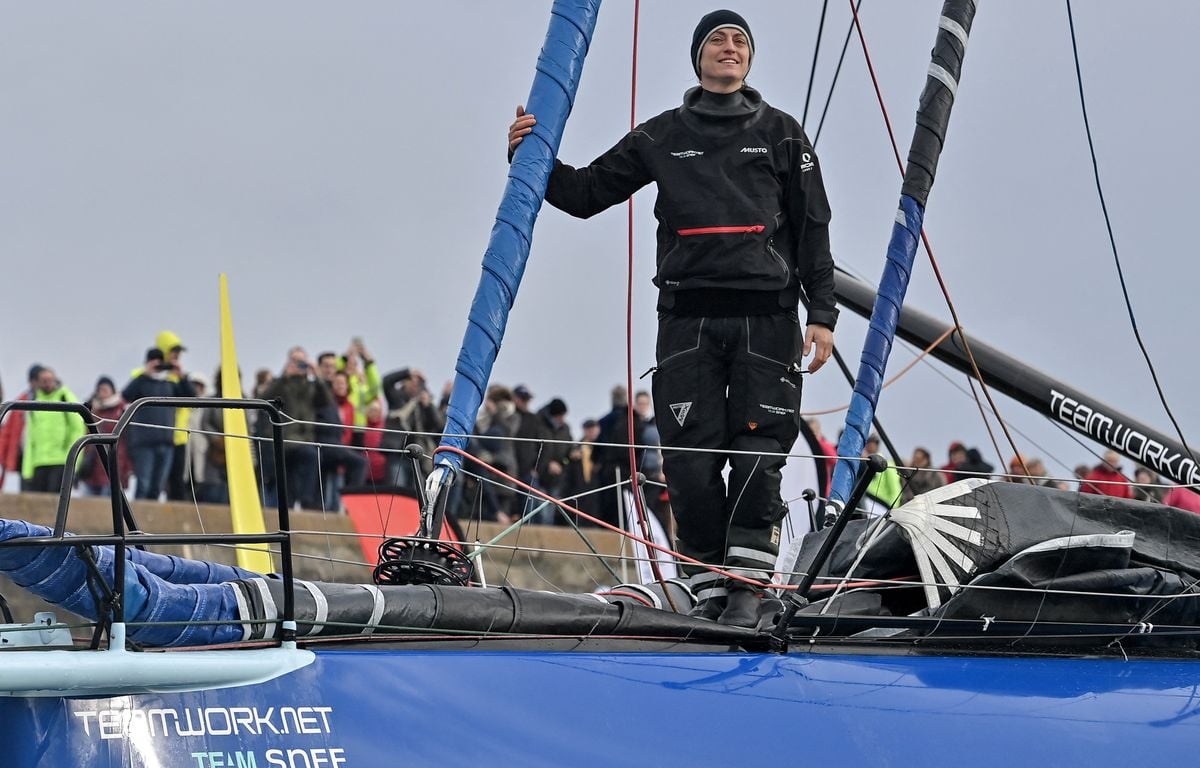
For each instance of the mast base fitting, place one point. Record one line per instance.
(409, 560)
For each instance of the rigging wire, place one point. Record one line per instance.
(812, 73)
(639, 501)
(974, 398)
(933, 261)
(894, 378)
(833, 83)
(837, 355)
(607, 526)
(1048, 452)
(1113, 242)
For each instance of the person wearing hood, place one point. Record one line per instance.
(974, 466)
(177, 485)
(743, 231)
(552, 462)
(957, 457)
(151, 439)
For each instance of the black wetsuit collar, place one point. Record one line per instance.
(709, 105)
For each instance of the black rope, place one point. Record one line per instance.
(1113, 242)
(812, 72)
(104, 597)
(837, 71)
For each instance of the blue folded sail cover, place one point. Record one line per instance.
(158, 588)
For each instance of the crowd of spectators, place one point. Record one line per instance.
(351, 426)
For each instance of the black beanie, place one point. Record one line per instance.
(711, 23)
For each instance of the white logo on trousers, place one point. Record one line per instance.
(681, 411)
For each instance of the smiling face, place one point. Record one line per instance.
(724, 60)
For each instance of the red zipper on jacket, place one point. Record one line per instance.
(742, 230)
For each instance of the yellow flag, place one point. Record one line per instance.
(244, 504)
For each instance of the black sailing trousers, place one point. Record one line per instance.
(727, 384)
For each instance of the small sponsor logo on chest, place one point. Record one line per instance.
(754, 150)
(687, 153)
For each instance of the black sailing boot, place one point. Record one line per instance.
(708, 608)
(742, 607)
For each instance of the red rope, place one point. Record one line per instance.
(601, 523)
(608, 526)
(639, 503)
(878, 93)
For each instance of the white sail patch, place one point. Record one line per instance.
(934, 535)
(681, 411)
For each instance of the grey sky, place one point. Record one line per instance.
(343, 162)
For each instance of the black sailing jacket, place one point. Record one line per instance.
(741, 206)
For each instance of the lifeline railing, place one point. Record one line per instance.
(122, 516)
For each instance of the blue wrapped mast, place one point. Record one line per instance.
(559, 67)
(933, 117)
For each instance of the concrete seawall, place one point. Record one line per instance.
(328, 548)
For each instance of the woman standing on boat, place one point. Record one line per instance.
(743, 230)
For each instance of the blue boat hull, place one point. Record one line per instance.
(393, 708)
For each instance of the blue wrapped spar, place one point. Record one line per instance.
(551, 97)
(933, 118)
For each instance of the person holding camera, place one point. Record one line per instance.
(151, 434)
(304, 396)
